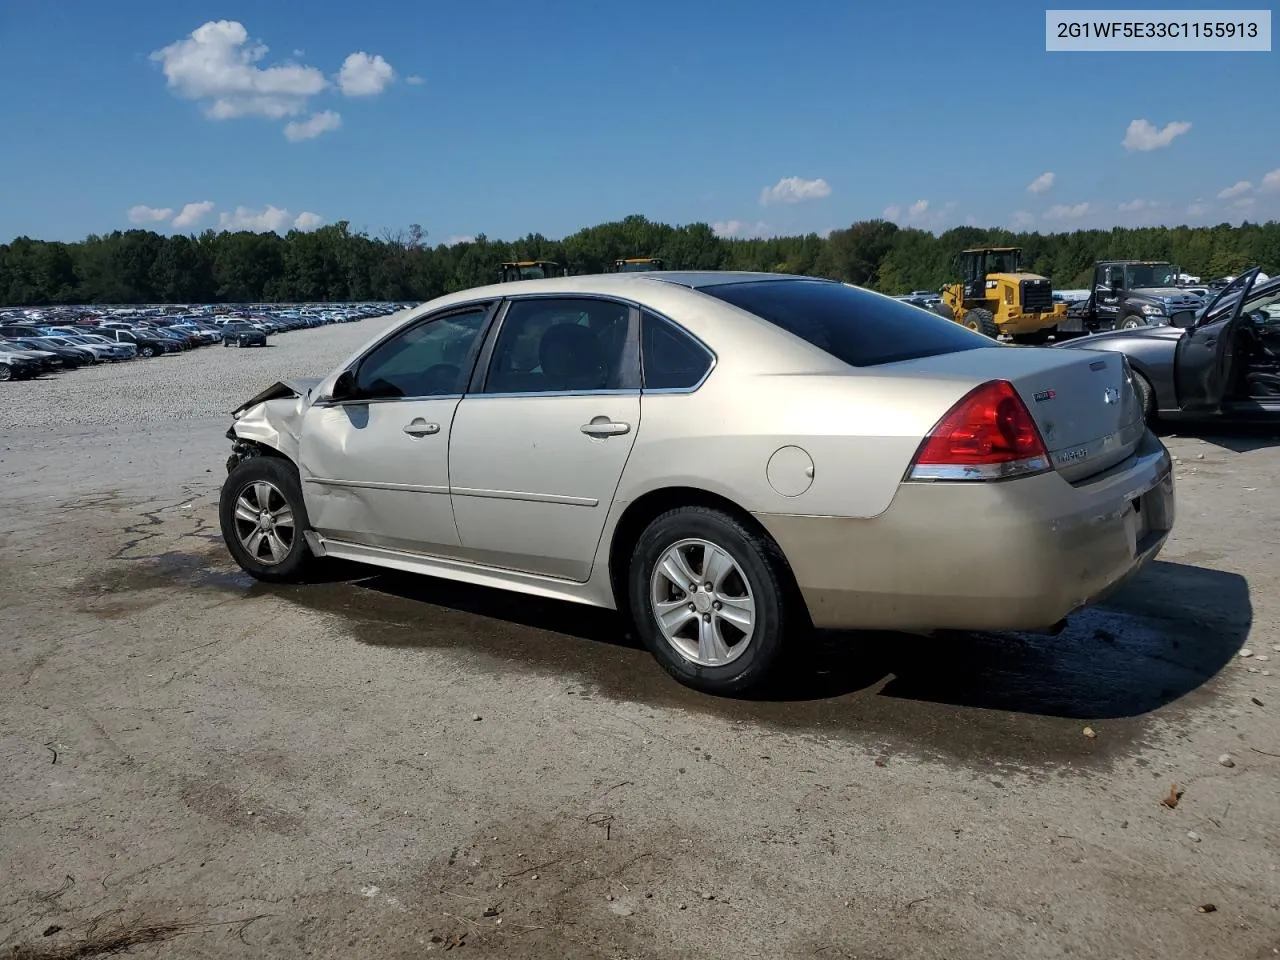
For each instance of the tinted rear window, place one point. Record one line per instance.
(862, 329)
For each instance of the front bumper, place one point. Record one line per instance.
(1015, 555)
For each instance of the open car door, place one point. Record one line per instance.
(1206, 353)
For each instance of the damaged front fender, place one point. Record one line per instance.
(272, 418)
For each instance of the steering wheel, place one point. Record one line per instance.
(438, 379)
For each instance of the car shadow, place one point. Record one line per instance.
(1237, 437)
(1161, 637)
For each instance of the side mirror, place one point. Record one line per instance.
(344, 388)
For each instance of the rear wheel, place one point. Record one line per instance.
(981, 321)
(6, 372)
(1146, 396)
(712, 600)
(263, 516)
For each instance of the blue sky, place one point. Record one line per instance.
(507, 117)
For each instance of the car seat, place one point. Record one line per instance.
(571, 359)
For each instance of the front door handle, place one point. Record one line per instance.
(420, 428)
(604, 427)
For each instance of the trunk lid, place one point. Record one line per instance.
(1084, 402)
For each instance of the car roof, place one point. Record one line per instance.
(623, 285)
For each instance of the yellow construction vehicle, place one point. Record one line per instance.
(637, 265)
(995, 295)
(530, 270)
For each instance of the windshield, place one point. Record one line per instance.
(1139, 275)
(1002, 261)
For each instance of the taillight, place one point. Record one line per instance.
(988, 435)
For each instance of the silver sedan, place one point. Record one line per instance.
(730, 458)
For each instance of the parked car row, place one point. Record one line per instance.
(36, 342)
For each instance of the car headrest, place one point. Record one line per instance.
(571, 358)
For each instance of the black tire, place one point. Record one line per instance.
(283, 477)
(1146, 396)
(778, 610)
(6, 372)
(1132, 322)
(942, 310)
(1037, 338)
(981, 321)
(226, 343)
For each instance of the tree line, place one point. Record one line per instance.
(336, 263)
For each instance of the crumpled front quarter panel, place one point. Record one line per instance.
(274, 423)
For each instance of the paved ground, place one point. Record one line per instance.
(388, 767)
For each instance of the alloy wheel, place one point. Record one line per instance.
(264, 522)
(702, 603)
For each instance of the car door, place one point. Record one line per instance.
(538, 448)
(1108, 283)
(374, 458)
(1204, 360)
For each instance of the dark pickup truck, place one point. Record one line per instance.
(1128, 294)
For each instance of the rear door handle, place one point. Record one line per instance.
(602, 427)
(420, 428)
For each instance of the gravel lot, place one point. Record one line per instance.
(385, 766)
(195, 383)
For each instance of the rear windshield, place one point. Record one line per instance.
(861, 328)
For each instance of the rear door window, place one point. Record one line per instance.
(672, 360)
(856, 326)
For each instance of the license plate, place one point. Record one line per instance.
(1141, 523)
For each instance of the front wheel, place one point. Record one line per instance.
(147, 351)
(263, 517)
(712, 600)
(981, 321)
(1132, 323)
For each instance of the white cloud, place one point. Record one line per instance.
(740, 230)
(307, 220)
(1062, 211)
(218, 65)
(1197, 209)
(1042, 183)
(1143, 135)
(363, 75)
(259, 221)
(144, 214)
(458, 238)
(1235, 190)
(1244, 203)
(1138, 206)
(1270, 181)
(414, 81)
(917, 208)
(193, 213)
(892, 212)
(794, 190)
(313, 126)
(1021, 220)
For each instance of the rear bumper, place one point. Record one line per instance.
(1017, 555)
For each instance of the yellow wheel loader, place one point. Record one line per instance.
(530, 270)
(996, 296)
(637, 265)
